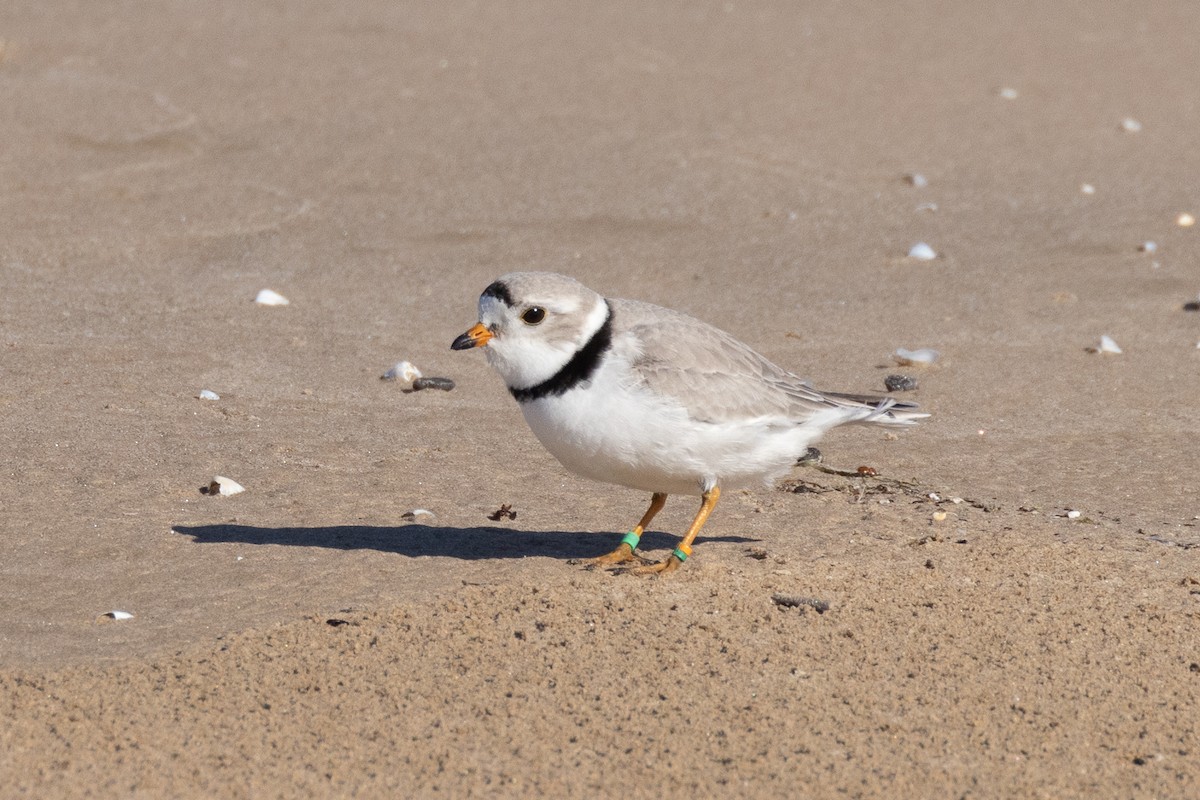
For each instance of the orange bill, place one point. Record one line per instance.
(478, 336)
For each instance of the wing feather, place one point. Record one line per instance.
(713, 376)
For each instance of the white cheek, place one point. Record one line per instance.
(524, 361)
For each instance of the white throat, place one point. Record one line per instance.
(527, 356)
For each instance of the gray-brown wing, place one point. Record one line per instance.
(714, 376)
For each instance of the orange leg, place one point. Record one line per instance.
(624, 552)
(707, 503)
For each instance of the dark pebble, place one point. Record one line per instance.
(900, 383)
(445, 384)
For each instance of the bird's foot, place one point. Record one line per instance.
(670, 564)
(624, 554)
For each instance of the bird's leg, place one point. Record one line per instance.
(684, 548)
(625, 550)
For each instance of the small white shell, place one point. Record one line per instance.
(922, 252)
(418, 512)
(1009, 93)
(205, 394)
(1107, 345)
(1087, 188)
(1185, 220)
(1131, 125)
(269, 297)
(916, 180)
(915, 358)
(1073, 514)
(402, 371)
(1148, 247)
(117, 615)
(225, 486)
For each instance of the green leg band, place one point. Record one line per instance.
(632, 540)
(682, 556)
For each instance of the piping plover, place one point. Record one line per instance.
(642, 396)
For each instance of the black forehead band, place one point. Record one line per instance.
(499, 290)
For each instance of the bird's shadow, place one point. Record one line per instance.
(415, 540)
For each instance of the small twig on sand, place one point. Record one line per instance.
(796, 601)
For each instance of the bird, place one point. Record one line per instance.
(639, 395)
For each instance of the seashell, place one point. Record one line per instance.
(915, 358)
(445, 384)
(118, 615)
(1107, 345)
(401, 371)
(939, 515)
(418, 512)
(1073, 514)
(225, 486)
(916, 180)
(1008, 93)
(1131, 125)
(1087, 188)
(205, 394)
(1185, 220)
(1148, 247)
(922, 252)
(269, 297)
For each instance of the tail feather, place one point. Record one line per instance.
(882, 410)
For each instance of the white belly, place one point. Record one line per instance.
(617, 434)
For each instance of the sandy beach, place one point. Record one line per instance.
(1009, 605)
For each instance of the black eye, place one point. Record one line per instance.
(533, 315)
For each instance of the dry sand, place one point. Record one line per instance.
(379, 163)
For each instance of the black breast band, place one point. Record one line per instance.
(576, 371)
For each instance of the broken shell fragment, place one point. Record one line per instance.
(1148, 247)
(401, 371)
(117, 615)
(418, 512)
(1087, 188)
(225, 486)
(922, 252)
(1185, 220)
(205, 394)
(916, 180)
(269, 297)
(445, 384)
(1131, 125)
(915, 358)
(1107, 345)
